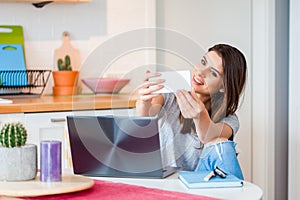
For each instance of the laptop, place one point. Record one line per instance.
(116, 146)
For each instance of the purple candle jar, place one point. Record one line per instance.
(50, 161)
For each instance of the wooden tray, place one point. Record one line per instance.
(69, 183)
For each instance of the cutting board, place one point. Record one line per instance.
(11, 35)
(12, 57)
(12, 54)
(67, 49)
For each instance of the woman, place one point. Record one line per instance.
(205, 116)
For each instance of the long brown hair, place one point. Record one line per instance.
(235, 72)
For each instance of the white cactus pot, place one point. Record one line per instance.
(18, 163)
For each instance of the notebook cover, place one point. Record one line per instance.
(196, 180)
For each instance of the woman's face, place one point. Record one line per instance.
(207, 76)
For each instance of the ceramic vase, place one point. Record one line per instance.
(18, 163)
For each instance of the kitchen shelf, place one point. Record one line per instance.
(42, 3)
(38, 1)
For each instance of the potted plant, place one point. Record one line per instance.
(65, 79)
(18, 159)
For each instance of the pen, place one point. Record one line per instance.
(208, 176)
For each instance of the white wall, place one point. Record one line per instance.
(294, 102)
(259, 28)
(270, 96)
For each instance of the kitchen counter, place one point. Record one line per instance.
(49, 103)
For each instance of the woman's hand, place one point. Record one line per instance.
(147, 89)
(190, 105)
(148, 102)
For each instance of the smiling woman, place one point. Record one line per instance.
(203, 117)
(208, 75)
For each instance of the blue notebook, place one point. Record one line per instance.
(195, 180)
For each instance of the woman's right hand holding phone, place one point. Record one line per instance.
(147, 90)
(147, 96)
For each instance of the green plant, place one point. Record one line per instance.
(13, 134)
(64, 65)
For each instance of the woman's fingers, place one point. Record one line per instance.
(186, 96)
(152, 83)
(182, 103)
(150, 74)
(150, 86)
(148, 97)
(147, 90)
(187, 104)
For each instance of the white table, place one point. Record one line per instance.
(172, 183)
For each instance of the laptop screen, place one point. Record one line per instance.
(116, 146)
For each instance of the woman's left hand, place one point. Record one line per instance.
(190, 105)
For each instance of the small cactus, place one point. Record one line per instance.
(64, 65)
(13, 135)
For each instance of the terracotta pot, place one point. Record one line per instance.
(65, 78)
(64, 91)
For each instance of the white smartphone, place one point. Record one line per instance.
(174, 80)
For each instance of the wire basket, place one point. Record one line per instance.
(23, 82)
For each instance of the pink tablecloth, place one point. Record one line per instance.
(109, 190)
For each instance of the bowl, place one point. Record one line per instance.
(105, 85)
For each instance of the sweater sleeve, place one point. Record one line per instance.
(233, 122)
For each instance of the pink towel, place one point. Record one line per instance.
(109, 190)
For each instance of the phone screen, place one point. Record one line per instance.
(174, 80)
